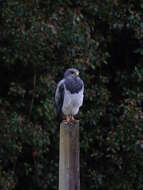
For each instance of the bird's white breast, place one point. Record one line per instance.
(72, 102)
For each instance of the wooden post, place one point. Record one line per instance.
(69, 167)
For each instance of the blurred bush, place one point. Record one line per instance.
(39, 40)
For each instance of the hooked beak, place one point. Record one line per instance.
(76, 74)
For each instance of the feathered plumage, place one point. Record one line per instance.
(69, 94)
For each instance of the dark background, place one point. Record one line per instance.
(39, 39)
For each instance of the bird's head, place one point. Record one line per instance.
(71, 72)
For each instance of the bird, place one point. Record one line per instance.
(69, 95)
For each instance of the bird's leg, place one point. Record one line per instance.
(67, 119)
(72, 119)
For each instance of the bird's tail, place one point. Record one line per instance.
(59, 117)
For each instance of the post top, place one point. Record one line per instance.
(73, 124)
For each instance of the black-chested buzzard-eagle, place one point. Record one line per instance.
(69, 95)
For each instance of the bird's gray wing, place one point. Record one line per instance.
(59, 98)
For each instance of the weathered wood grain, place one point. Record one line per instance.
(69, 167)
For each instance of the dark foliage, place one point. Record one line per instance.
(39, 40)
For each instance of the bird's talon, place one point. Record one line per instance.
(69, 119)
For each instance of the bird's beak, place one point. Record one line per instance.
(77, 73)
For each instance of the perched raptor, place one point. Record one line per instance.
(69, 95)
